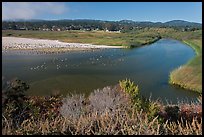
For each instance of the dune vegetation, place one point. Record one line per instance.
(116, 110)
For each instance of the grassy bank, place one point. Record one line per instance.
(93, 37)
(117, 110)
(189, 76)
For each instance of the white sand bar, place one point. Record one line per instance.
(35, 44)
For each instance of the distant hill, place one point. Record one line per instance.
(88, 24)
(173, 23)
(182, 23)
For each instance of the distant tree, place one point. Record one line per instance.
(13, 26)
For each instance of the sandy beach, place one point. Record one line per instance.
(15, 43)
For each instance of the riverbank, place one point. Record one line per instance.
(189, 76)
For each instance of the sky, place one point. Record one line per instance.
(110, 11)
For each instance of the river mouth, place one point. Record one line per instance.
(83, 71)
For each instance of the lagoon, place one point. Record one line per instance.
(83, 71)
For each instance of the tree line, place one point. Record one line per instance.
(88, 25)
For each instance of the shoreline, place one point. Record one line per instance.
(45, 45)
(174, 81)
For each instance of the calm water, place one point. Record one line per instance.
(84, 71)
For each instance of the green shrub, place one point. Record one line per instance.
(14, 91)
(13, 97)
(150, 107)
(140, 102)
(130, 88)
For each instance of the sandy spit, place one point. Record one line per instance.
(40, 44)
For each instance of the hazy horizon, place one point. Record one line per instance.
(106, 11)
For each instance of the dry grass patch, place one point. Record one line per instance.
(185, 77)
(117, 110)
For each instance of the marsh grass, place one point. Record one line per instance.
(93, 37)
(189, 76)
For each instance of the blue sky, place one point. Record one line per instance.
(112, 11)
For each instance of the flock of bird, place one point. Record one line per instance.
(65, 63)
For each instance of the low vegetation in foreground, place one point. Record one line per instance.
(116, 110)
